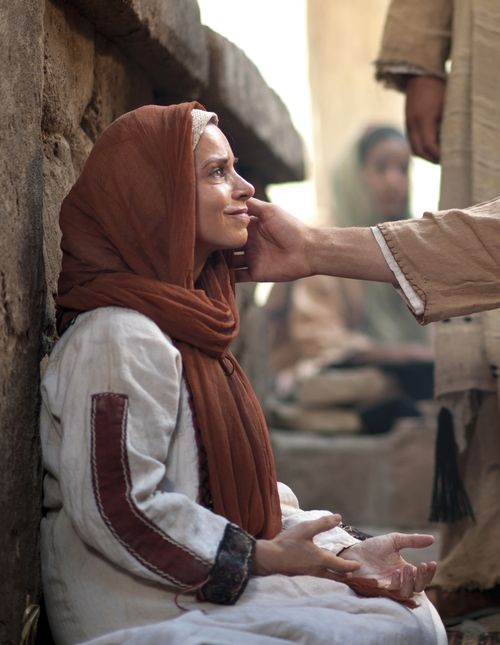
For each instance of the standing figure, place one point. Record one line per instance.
(453, 118)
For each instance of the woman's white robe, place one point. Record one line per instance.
(103, 581)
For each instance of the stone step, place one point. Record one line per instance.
(372, 480)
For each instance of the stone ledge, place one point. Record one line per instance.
(166, 39)
(253, 113)
(185, 60)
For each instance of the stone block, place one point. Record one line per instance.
(253, 114)
(81, 145)
(181, 59)
(378, 481)
(119, 86)
(360, 385)
(68, 69)
(165, 39)
(59, 176)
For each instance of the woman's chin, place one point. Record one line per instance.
(238, 241)
(243, 239)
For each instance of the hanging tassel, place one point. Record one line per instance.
(450, 501)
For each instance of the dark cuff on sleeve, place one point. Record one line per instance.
(229, 575)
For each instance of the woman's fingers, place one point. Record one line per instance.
(338, 576)
(325, 562)
(403, 580)
(430, 572)
(307, 530)
(412, 579)
(411, 540)
(421, 577)
(408, 574)
(395, 582)
(335, 564)
(293, 552)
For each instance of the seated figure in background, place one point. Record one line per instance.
(323, 322)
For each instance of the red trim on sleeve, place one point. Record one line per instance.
(112, 485)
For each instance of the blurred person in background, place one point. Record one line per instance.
(453, 118)
(322, 322)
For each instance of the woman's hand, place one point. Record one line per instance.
(294, 553)
(380, 560)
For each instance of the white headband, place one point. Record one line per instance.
(201, 119)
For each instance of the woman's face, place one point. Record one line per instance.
(385, 171)
(221, 196)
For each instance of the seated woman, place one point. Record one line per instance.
(160, 491)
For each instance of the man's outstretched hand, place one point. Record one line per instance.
(380, 560)
(281, 248)
(278, 248)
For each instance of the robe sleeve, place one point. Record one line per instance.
(416, 40)
(114, 390)
(450, 258)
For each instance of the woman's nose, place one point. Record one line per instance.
(243, 188)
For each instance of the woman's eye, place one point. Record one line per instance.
(218, 172)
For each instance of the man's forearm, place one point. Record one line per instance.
(348, 253)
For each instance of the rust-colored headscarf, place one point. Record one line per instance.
(128, 228)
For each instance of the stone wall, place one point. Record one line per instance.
(68, 69)
(21, 305)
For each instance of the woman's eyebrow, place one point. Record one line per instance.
(219, 160)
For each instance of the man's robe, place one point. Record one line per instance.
(419, 38)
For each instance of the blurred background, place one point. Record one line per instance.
(317, 55)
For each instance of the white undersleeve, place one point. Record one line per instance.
(405, 288)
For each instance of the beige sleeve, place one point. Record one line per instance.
(416, 40)
(450, 258)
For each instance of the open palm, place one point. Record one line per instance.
(380, 560)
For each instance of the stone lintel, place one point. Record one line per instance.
(186, 60)
(166, 39)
